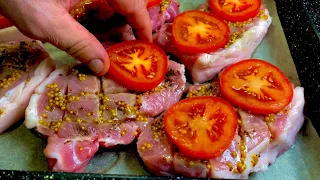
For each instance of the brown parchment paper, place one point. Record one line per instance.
(22, 149)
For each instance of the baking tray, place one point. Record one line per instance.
(300, 28)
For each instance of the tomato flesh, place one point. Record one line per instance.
(257, 86)
(137, 65)
(152, 3)
(201, 127)
(235, 10)
(199, 32)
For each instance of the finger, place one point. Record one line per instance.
(51, 22)
(73, 38)
(141, 22)
(137, 16)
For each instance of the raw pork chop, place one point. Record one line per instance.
(55, 110)
(190, 167)
(141, 106)
(284, 129)
(258, 142)
(156, 149)
(163, 13)
(24, 65)
(263, 139)
(243, 40)
(79, 112)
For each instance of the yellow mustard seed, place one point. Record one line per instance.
(191, 163)
(123, 132)
(44, 115)
(234, 154)
(229, 164)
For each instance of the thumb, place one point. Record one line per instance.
(77, 41)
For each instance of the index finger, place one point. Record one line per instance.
(137, 16)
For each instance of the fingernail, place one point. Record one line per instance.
(96, 65)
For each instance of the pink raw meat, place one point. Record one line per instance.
(25, 64)
(83, 112)
(69, 155)
(205, 66)
(159, 157)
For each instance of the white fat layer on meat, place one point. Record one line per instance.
(225, 174)
(288, 137)
(4, 102)
(75, 158)
(295, 116)
(79, 138)
(221, 173)
(56, 154)
(60, 160)
(20, 95)
(257, 150)
(40, 74)
(110, 141)
(31, 114)
(51, 78)
(14, 93)
(210, 64)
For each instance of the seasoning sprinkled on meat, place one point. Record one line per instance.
(77, 108)
(19, 56)
(243, 40)
(24, 65)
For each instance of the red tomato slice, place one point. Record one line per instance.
(137, 65)
(256, 85)
(152, 3)
(4, 23)
(235, 10)
(197, 32)
(201, 127)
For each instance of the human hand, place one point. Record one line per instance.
(50, 21)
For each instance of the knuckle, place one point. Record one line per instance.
(77, 49)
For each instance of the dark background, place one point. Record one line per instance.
(300, 20)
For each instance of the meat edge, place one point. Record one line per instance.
(17, 108)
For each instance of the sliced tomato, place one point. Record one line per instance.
(235, 10)
(137, 65)
(197, 32)
(257, 86)
(201, 127)
(152, 3)
(4, 23)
